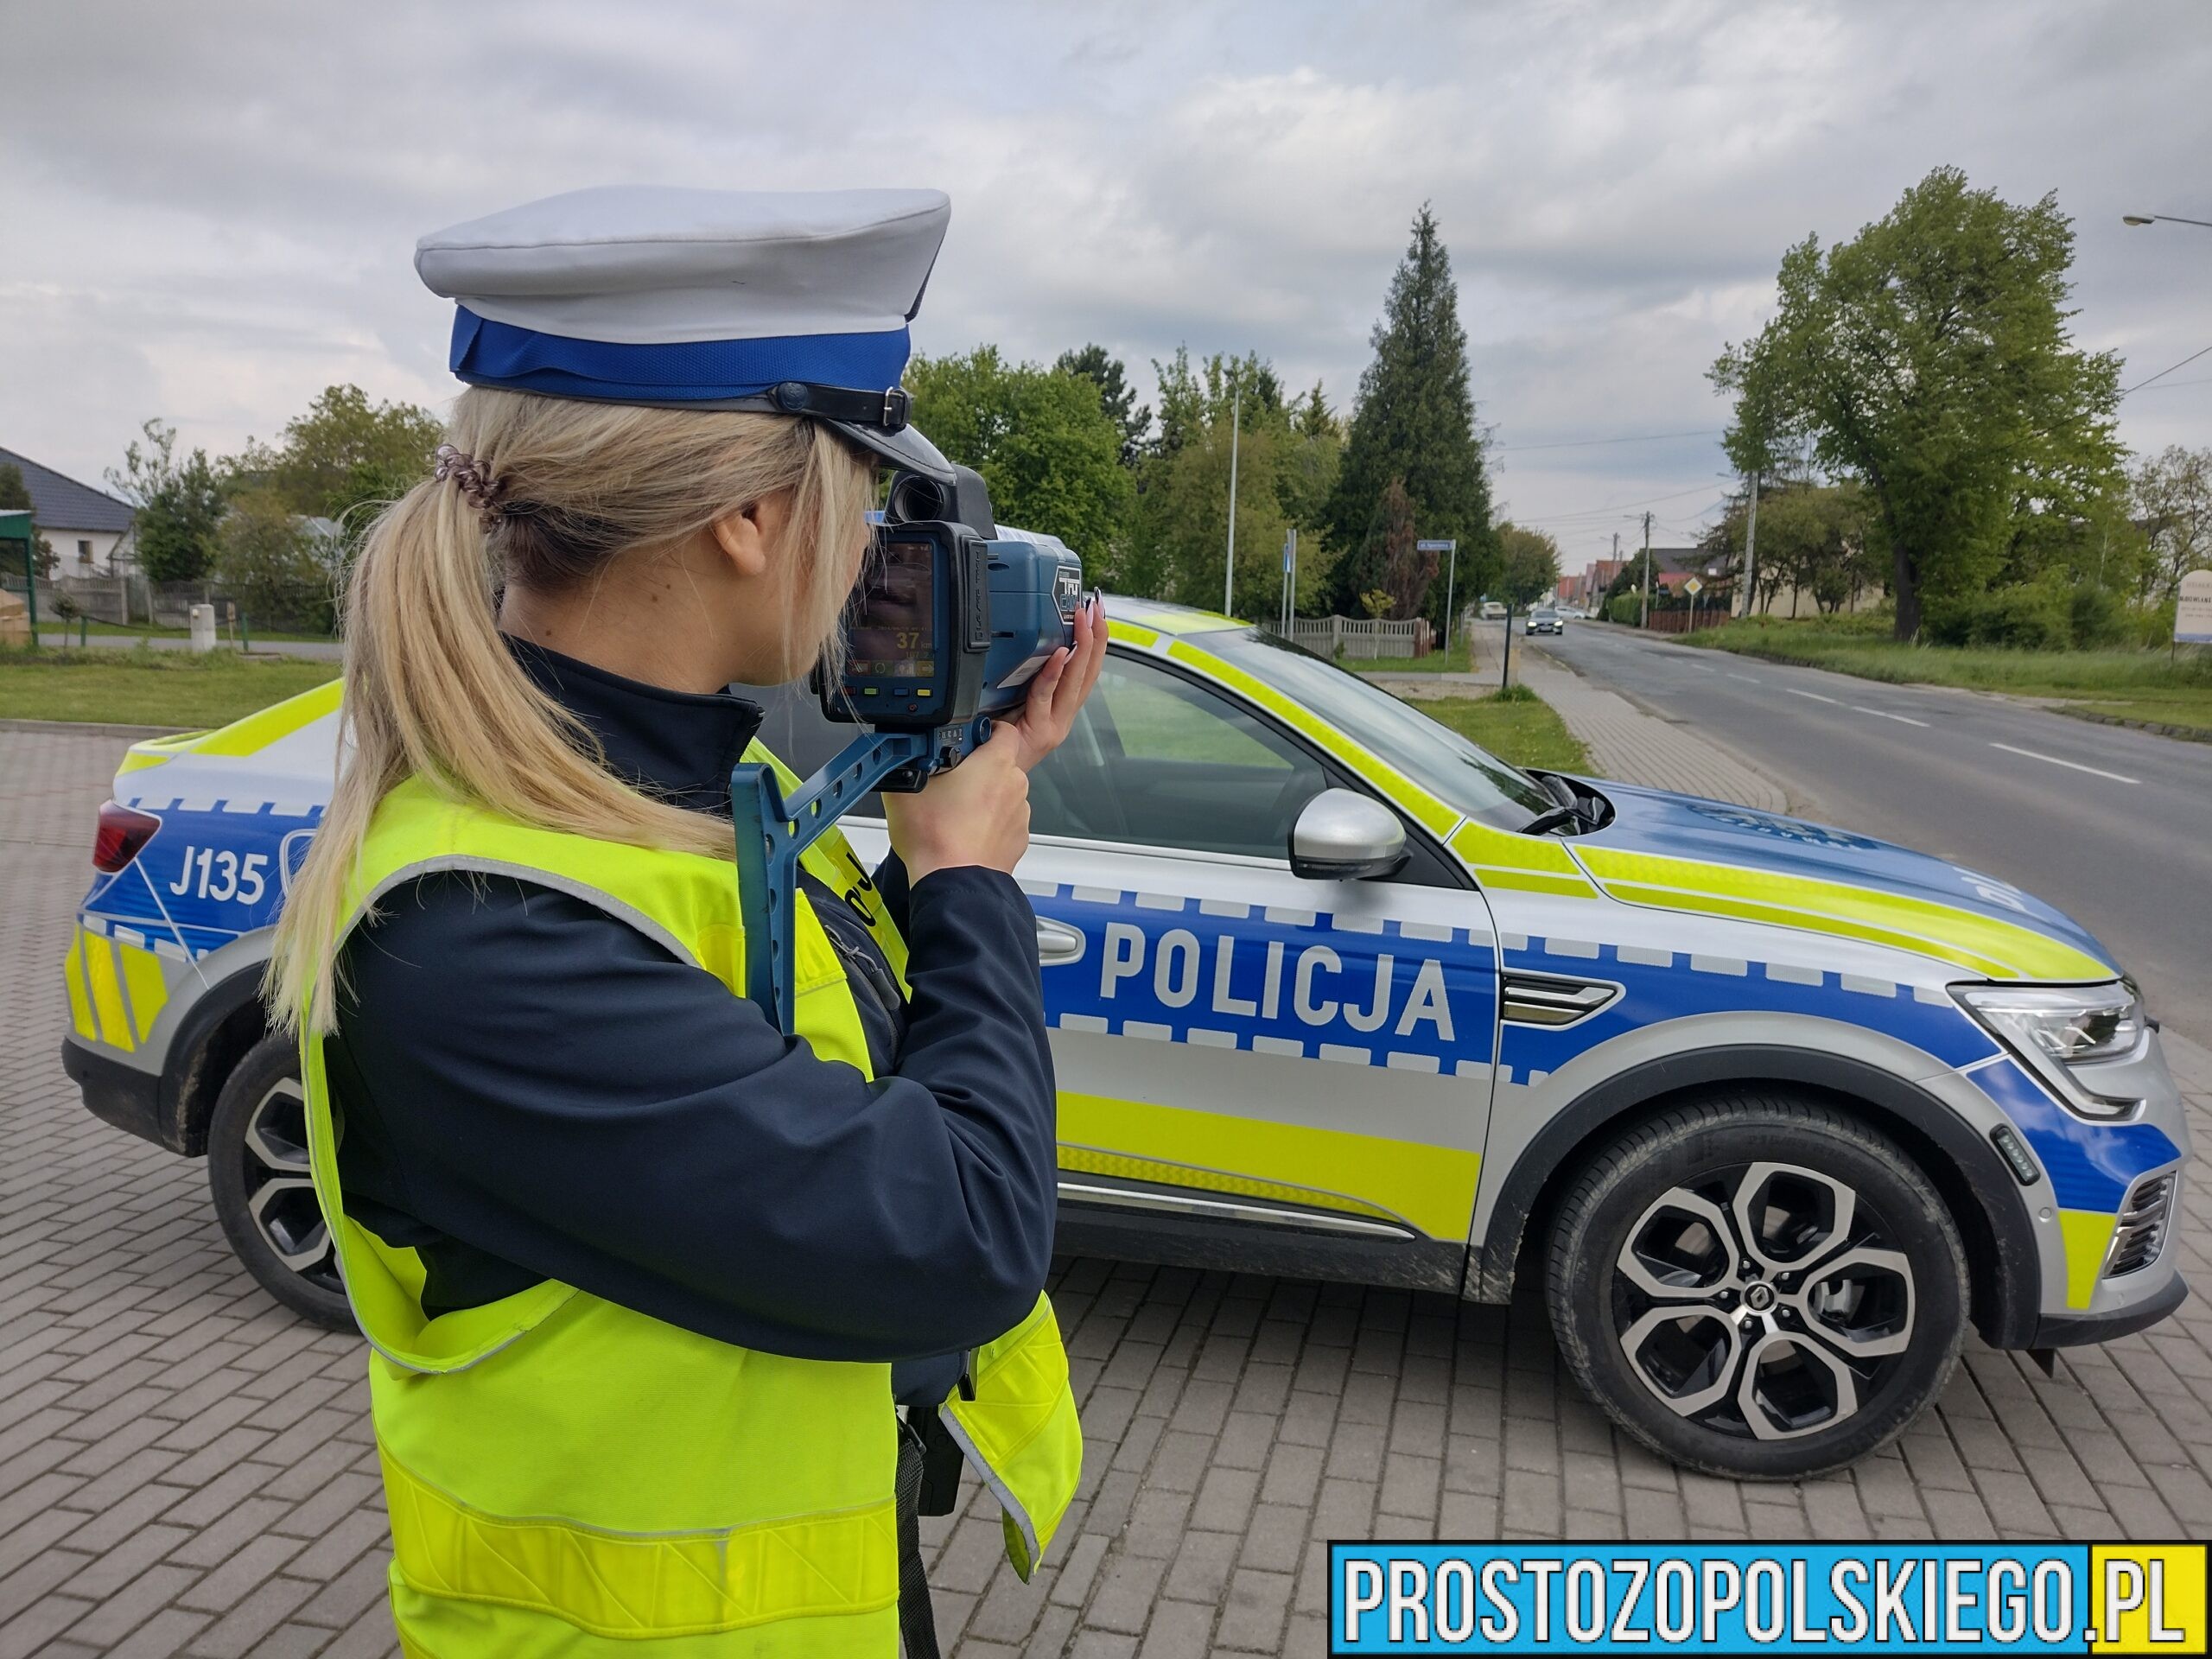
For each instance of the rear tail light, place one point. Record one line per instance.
(123, 831)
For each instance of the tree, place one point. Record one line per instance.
(1042, 439)
(267, 563)
(1529, 566)
(1415, 422)
(1929, 357)
(1286, 465)
(1814, 541)
(343, 455)
(15, 497)
(1408, 567)
(2171, 498)
(180, 504)
(1115, 396)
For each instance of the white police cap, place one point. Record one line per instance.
(794, 302)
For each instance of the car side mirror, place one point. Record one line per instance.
(1343, 836)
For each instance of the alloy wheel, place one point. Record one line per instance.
(1763, 1300)
(280, 1189)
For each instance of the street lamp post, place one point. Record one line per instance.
(2162, 219)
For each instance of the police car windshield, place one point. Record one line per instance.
(1468, 778)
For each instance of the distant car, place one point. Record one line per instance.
(1574, 612)
(1546, 619)
(1769, 1112)
(1493, 611)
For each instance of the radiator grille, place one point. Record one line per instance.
(2142, 1228)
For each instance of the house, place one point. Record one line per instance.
(89, 530)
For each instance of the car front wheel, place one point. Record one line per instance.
(1757, 1286)
(265, 1197)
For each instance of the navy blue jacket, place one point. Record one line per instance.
(530, 1088)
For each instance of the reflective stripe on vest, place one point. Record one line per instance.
(562, 1472)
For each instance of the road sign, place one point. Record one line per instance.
(1693, 586)
(2193, 614)
(1435, 547)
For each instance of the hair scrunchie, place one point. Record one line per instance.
(478, 489)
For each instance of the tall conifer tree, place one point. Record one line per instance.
(1415, 424)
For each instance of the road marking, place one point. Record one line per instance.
(1814, 696)
(1748, 679)
(1885, 714)
(2075, 765)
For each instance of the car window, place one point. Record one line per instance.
(1159, 761)
(1462, 774)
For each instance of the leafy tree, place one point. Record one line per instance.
(15, 497)
(180, 504)
(1813, 542)
(345, 454)
(1529, 565)
(1048, 449)
(267, 562)
(1115, 396)
(2171, 496)
(1179, 531)
(1929, 357)
(1415, 422)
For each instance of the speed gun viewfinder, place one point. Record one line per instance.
(950, 625)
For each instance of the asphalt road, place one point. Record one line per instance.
(2112, 826)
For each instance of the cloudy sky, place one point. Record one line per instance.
(210, 210)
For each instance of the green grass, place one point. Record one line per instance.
(147, 687)
(2149, 685)
(1514, 725)
(48, 623)
(1437, 662)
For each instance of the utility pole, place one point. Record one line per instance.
(1644, 620)
(1229, 575)
(1751, 547)
(1290, 583)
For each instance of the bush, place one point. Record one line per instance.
(1623, 607)
(2098, 618)
(267, 563)
(2029, 617)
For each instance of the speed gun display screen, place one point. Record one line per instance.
(1866, 1597)
(895, 632)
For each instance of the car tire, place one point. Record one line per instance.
(257, 1176)
(1822, 1285)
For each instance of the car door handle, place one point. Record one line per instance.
(1057, 944)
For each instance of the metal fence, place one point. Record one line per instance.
(1363, 638)
(130, 601)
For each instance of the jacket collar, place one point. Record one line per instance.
(678, 746)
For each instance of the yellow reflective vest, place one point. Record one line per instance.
(567, 1477)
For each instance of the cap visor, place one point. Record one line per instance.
(906, 448)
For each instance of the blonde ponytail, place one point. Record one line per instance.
(431, 691)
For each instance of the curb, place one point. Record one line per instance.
(93, 728)
(2187, 734)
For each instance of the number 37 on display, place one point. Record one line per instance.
(220, 874)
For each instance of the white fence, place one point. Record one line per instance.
(1363, 638)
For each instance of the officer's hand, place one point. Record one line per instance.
(1056, 695)
(976, 814)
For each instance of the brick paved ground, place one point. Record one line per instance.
(184, 1469)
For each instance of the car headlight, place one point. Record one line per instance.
(2056, 1028)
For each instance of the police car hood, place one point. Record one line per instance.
(1674, 849)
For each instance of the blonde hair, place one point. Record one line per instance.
(430, 689)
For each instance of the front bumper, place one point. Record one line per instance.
(2075, 1330)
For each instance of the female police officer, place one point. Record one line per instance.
(646, 1277)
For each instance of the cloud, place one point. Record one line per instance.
(212, 209)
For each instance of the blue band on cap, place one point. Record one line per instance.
(485, 352)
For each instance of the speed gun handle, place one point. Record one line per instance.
(772, 832)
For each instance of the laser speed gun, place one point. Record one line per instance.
(948, 626)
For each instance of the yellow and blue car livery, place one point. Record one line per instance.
(1389, 1079)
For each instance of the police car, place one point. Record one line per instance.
(1767, 1111)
